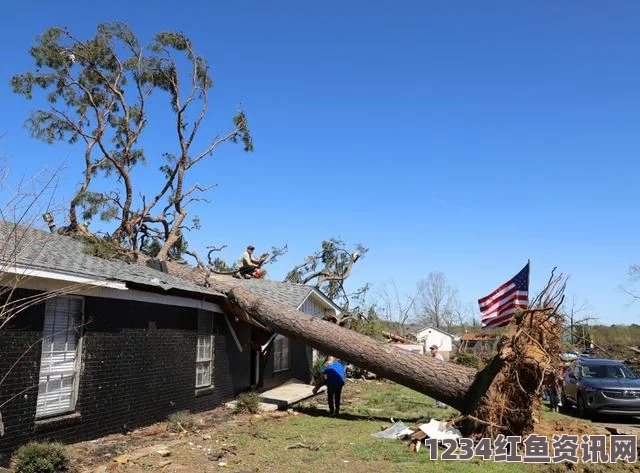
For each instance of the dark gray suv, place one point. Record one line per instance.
(601, 386)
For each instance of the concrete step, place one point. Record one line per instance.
(287, 394)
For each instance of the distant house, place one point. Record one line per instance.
(433, 336)
(478, 343)
(106, 346)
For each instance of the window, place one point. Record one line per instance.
(280, 354)
(204, 356)
(60, 360)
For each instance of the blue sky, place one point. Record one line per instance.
(463, 137)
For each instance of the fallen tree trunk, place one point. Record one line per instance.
(497, 399)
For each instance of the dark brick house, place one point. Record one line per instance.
(104, 346)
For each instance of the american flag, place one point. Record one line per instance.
(498, 308)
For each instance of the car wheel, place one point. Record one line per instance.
(582, 408)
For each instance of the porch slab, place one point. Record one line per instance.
(289, 393)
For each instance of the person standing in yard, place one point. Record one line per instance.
(334, 375)
(437, 356)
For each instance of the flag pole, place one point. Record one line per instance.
(529, 281)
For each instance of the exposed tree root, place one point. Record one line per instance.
(527, 356)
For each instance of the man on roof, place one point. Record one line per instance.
(249, 266)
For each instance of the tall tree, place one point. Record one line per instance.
(437, 301)
(98, 92)
(394, 307)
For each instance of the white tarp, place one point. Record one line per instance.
(436, 429)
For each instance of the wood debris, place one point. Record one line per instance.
(312, 448)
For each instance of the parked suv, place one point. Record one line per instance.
(601, 386)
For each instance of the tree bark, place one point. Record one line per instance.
(501, 398)
(447, 382)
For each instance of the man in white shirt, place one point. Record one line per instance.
(435, 354)
(248, 265)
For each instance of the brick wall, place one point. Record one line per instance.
(138, 366)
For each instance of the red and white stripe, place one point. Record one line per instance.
(497, 308)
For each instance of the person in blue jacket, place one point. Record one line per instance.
(334, 375)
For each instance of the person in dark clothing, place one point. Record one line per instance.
(334, 375)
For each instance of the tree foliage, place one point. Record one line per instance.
(328, 267)
(98, 92)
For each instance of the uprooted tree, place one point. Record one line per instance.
(98, 94)
(498, 399)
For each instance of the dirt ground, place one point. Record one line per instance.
(155, 448)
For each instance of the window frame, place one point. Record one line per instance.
(204, 332)
(278, 356)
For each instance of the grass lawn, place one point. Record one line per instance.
(345, 443)
(307, 440)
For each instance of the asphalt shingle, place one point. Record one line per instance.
(36, 249)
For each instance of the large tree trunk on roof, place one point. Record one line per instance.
(498, 399)
(445, 381)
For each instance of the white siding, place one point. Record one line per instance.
(310, 307)
(60, 360)
(432, 336)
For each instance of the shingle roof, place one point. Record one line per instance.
(36, 249)
(286, 293)
(289, 294)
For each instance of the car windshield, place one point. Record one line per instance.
(607, 371)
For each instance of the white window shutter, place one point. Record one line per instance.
(59, 362)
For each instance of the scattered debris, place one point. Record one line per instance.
(312, 448)
(439, 430)
(392, 432)
(415, 435)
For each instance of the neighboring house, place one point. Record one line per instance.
(106, 346)
(433, 336)
(478, 343)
